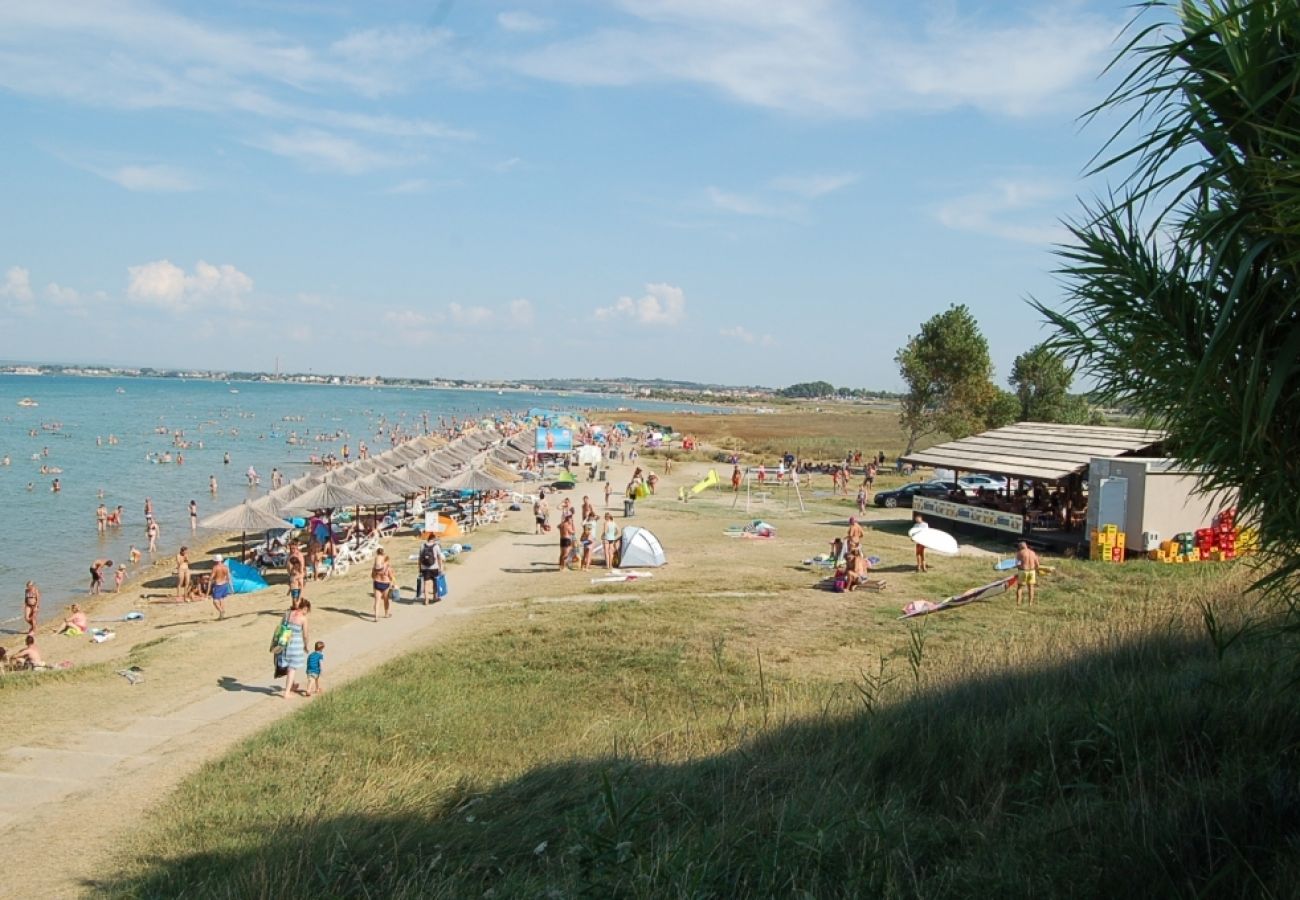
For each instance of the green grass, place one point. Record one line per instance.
(1111, 743)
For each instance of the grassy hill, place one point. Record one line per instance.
(726, 730)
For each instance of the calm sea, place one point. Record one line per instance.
(52, 537)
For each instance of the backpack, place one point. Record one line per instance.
(428, 557)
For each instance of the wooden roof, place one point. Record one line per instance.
(1039, 450)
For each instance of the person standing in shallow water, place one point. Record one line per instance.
(97, 574)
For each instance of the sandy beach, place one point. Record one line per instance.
(85, 753)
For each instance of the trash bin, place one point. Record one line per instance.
(629, 508)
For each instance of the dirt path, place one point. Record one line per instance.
(93, 756)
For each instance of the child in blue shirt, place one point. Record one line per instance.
(313, 668)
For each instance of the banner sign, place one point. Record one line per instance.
(976, 515)
(554, 440)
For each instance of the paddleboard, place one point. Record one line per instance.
(984, 592)
(933, 539)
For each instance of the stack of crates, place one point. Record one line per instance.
(1106, 544)
(1220, 542)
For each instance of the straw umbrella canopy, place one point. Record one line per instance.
(500, 472)
(474, 480)
(396, 484)
(329, 494)
(407, 452)
(374, 492)
(283, 494)
(244, 517)
(421, 476)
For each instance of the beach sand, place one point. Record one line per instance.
(84, 755)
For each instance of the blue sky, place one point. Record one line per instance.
(742, 191)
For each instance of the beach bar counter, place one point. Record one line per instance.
(1059, 480)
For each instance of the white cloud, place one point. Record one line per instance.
(410, 186)
(835, 58)
(663, 304)
(136, 55)
(404, 319)
(165, 179)
(521, 312)
(738, 203)
(470, 316)
(814, 186)
(17, 285)
(322, 150)
(520, 21)
(1017, 210)
(388, 45)
(165, 285)
(745, 336)
(62, 296)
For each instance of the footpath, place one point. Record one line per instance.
(68, 795)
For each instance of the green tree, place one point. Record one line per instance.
(949, 378)
(1184, 286)
(810, 390)
(1041, 380)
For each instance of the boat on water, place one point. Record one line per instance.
(121, 390)
(28, 402)
(234, 390)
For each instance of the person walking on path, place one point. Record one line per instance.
(431, 562)
(220, 585)
(1026, 572)
(294, 656)
(31, 606)
(381, 579)
(541, 513)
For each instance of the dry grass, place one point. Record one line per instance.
(821, 433)
(734, 731)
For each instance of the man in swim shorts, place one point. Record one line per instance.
(1026, 572)
(220, 585)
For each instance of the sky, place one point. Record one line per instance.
(730, 191)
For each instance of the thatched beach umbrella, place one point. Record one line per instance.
(375, 493)
(329, 494)
(474, 480)
(245, 517)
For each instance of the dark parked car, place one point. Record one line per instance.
(940, 490)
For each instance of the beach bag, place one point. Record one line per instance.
(440, 585)
(280, 639)
(395, 593)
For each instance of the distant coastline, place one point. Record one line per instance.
(629, 388)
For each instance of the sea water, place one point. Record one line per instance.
(105, 434)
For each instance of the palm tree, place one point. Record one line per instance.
(1183, 286)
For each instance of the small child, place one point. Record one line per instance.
(313, 668)
(119, 577)
(135, 555)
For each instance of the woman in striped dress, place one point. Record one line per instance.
(294, 657)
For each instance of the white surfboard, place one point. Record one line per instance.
(933, 539)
